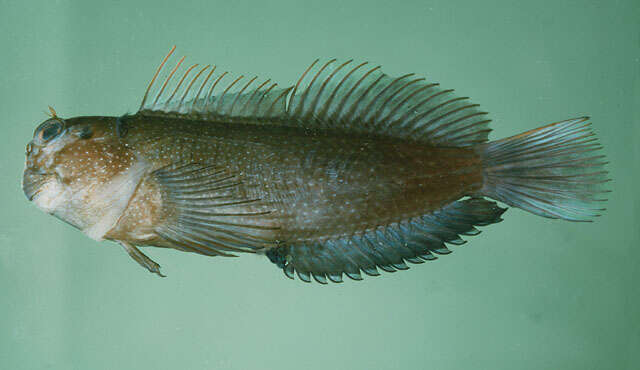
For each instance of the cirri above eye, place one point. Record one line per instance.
(48, 130)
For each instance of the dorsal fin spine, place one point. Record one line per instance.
(153, 80)
(335, 90)
(443, 104)
(312, 108)
(166, 103)
(255, 110)
(412, 124)
(393, 110)
(462, 132)
(186, 91)
(300, 107)
(456, 121)
(336, 115)
(244, 107)
(367, 109)
(204, 83)
(240, 94)
(446, 126)
(166, 81)
(295, 89)
(329, 94)
(221, 99)
(213, 86)
(282, 94)
(380, 109)
(474, 133)
(355, 105)
(431, 128)
(404, 117)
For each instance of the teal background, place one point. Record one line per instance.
(528, 293)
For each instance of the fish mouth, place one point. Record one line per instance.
(32, 182)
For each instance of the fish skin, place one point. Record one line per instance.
(319, 185)
(74, 174)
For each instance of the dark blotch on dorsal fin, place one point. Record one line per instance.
(388, 248)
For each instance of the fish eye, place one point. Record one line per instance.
(48, 130)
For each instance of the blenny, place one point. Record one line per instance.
(348, 171)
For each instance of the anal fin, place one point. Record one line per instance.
(388, 248)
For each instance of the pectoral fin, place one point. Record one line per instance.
(141, 258)
(211, 211)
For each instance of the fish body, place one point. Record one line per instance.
(354, 172)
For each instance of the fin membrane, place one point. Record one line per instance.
(207, 213)
(361, 98)
(347, 96)
(207, 93)
(552, 171)
(386, 248)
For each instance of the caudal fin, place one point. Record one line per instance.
(552, 171)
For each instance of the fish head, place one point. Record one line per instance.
(69, 165)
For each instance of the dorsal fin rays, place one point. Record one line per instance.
(155, 76)
(193, 80)
(184, 76)
(341, 95)
(213, 96)
(346, 96)
(204, 83)
(166, 81)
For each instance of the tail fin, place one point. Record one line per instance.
(551, 171)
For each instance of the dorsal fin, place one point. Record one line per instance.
(361, 98)
(209, 93)
(350, 96)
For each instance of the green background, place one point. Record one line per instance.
(528, 293)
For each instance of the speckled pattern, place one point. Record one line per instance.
(317, 185)
(276, 184)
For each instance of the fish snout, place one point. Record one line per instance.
(32, 182)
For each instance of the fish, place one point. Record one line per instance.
(347, 172)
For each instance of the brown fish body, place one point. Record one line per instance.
(315, 185)
(349, 171)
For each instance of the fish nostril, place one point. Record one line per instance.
(29, 148)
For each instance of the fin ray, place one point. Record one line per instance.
(334, 94)
(207, 214)
(222, 101)
(369, 101)
(551, 171)
(387, 248)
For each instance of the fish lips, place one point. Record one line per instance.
(32, 182)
